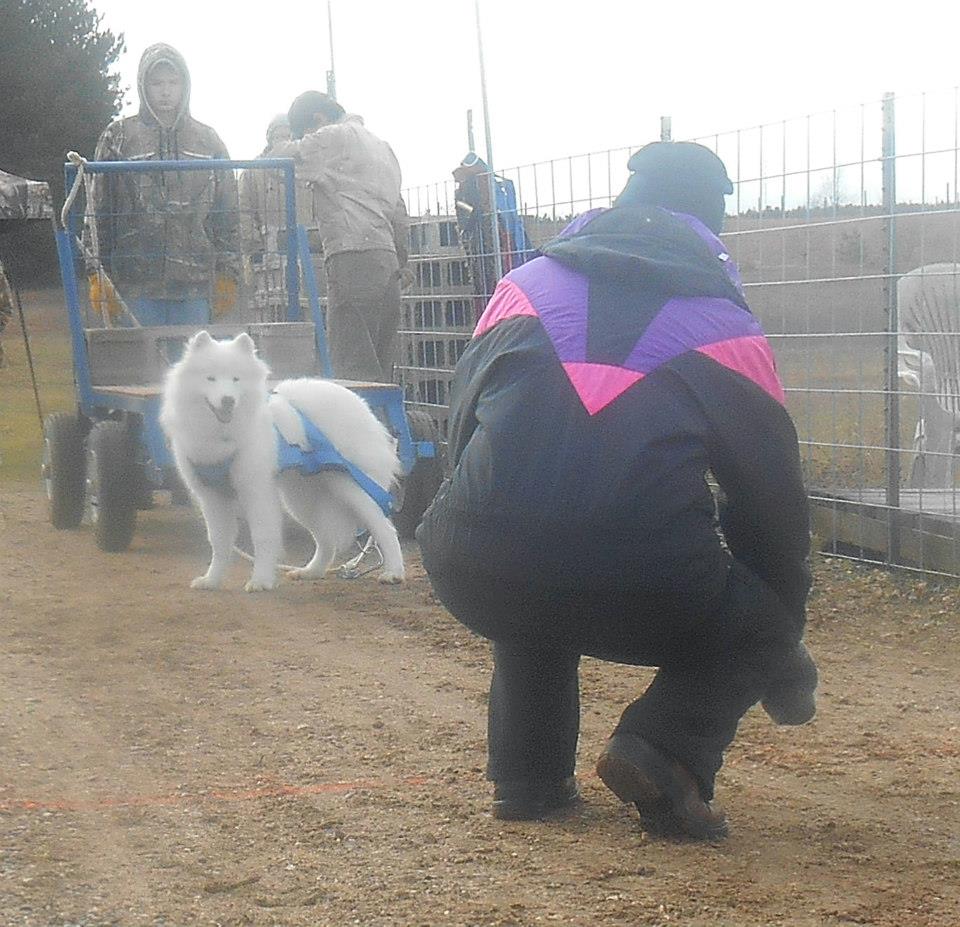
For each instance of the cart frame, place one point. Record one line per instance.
(137, 406)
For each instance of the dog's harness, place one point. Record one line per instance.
(318, 454)
(216, 476)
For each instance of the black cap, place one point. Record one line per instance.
(685, 162)
(680, 176)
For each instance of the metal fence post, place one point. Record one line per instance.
(491, 179)
(891, 391)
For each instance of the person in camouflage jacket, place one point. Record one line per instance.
(169, 241)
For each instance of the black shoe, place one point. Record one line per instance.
(666, 795)
(522, 800)
(791, 699)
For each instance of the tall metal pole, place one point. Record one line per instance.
(471, 141)
(332, 73)
(491, 183)
(26, 339)
(891, 393)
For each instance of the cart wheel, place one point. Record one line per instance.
(62, 468)
(112, 484)
(179, 494)
(423, 481)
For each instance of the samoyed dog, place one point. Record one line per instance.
(224, 424)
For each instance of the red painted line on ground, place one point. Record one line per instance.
(217, 795)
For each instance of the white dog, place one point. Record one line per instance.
(224, 425)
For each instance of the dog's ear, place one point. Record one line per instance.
(243, 340)
(200, 340)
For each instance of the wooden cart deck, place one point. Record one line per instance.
(152, 390)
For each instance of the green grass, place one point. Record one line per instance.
(845, 363)
(850, 413)
(20, 433)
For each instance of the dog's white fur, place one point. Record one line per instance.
(216, 405)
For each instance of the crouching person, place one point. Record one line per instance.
(605, 381)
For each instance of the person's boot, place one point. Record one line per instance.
(524, 800)
(667, 796)
(790, 698)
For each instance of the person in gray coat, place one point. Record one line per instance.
(263, 219)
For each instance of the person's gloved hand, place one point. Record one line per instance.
(103, 296)
(225, 292)
(407, 277)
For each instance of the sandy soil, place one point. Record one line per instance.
(315, 756)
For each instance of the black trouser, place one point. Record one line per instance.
(363, 314)
(715, 661)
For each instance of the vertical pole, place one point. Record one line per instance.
(332, 73)
(666, 129)
(81, 363)
(491, 182)
(310, 280)
(14, 286)
(483, 88)
(891, 394)
(471, 141)
(293, 277)
(67, 258)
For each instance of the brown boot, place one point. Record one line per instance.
(666, 795)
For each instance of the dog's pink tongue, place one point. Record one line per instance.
(223, 413)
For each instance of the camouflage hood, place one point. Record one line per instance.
(164, 235)
(23, 199)
(155, 54)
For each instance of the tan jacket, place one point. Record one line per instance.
(355, 181)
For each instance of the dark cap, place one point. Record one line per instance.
(687, 163)
(679, 176)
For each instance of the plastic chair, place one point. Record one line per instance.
(928, 355)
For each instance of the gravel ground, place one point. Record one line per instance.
(315, 756)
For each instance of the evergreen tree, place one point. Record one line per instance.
(57, 91)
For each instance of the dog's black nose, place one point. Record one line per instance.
(227, 403)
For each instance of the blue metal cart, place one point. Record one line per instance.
(103, 462)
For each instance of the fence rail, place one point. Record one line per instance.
(846, 228)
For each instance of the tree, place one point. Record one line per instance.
(57, 89)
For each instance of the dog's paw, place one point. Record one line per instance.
(259, 585)
(204, 582)
(299, 573)
(390, 579)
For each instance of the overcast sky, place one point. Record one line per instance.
(563, 77)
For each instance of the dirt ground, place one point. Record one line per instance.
(315, 756)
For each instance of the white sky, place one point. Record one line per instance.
(563, 77)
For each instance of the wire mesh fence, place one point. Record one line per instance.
(152, 251)
(846, 228)
(191, 242)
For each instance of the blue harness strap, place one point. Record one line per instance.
(322, 455)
